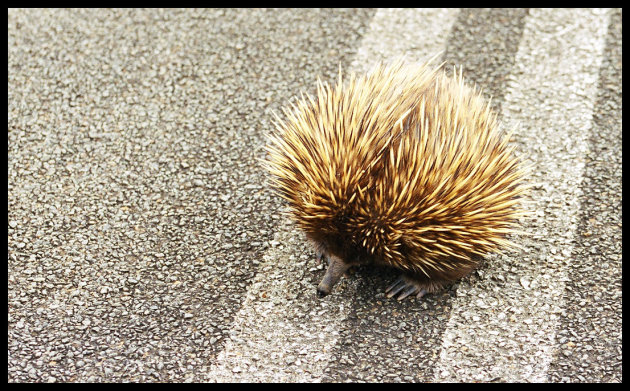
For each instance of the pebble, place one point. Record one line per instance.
(525, 282)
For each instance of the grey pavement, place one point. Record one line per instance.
(145, 244)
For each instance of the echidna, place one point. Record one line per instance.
(404, 167)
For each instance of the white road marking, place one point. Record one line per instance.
(417, 33)
(283, 332)
(549, 100)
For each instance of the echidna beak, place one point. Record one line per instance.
(336, 269)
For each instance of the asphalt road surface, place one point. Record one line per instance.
(145, 245)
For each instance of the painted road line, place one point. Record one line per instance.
(417, 33)
(549, 101)
(283, 332)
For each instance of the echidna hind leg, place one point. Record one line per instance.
(405, 286)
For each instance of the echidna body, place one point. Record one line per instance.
(403, 167)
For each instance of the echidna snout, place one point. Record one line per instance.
(336, 269)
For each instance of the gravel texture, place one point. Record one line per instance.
(144, 244)
(589, 337)
(486, 51)
(137, 211)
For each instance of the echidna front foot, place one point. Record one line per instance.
(405, 286)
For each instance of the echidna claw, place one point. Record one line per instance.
(408, 291)
(405, 287)
(320, 256)
(396, 287)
